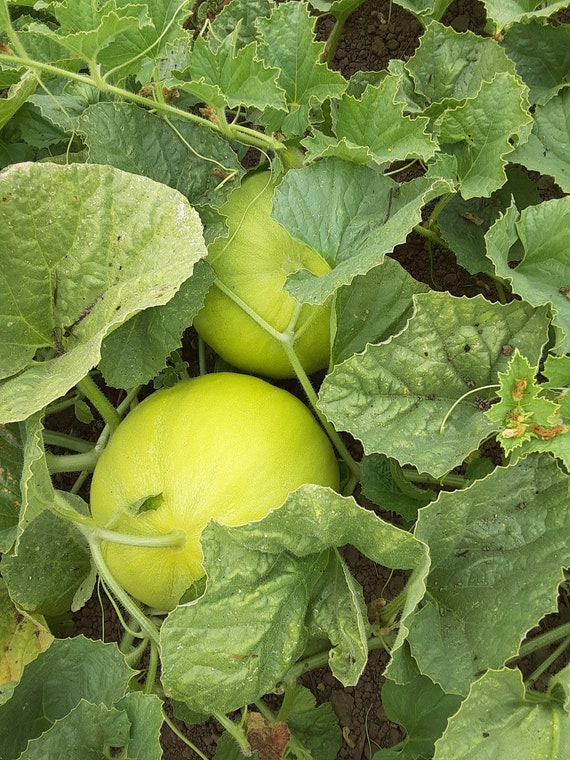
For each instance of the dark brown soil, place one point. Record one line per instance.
(377, 32)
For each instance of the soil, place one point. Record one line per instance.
(377, 32)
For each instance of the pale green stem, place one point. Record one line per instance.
(107, 411)
(543, 640)
(64, 441)
(535, 675)
(236, 132)
(133, 609)
(152, 668)
(84, 462)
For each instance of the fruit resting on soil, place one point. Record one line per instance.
(224, 447)
(253, 262)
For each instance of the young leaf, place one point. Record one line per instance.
(82, 249)
(522, 413)
(359, 139)
(480, 138)
(423, 709)
(283, 570)
(68, 672)
(500, 719)
(395, 395)
(242, 16)
(546, 150)
(231, 76)
(373, 214)
(288, 45)
(543, 275)
(316, 728)
(486, 543)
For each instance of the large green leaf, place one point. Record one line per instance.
(82, 249)
(546, 150)
(395, 395)
(11, 463)
(17, 96)
(373, 307)
(543, 274)
(373, 214)
(69, 671)
(500, 720)
(503, 539)
(541, 53)
(271, 585)
(288, 44)
(463, 62)
(177, 153)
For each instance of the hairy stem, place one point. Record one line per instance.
(107, 411)
(84, 462)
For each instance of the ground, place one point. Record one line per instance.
(375, 33)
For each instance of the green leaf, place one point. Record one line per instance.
(395, 395)
(179, 154)
(425, 9)
(85, 732)
(17, 96)
(480, 137)
(242, 16)
(500, 719)
(231, 76)
(82, 249)
(543, 275)
(373, 307)
(316, 728)
(546, 150)
(541, 53)
(11, 464)
(22, 638)
(464, 224)
(138, 350)
(355, 124)
(69, 671)
(288, 44)
(486, 543)
(464, 61)
(423, 709)
(384, 485)
(35, 483)
(145, 715)
(95, 27)
(268, 580)
(373, 214)
(52, 562)
(557, 370)
(504, 13)
(522, 414)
